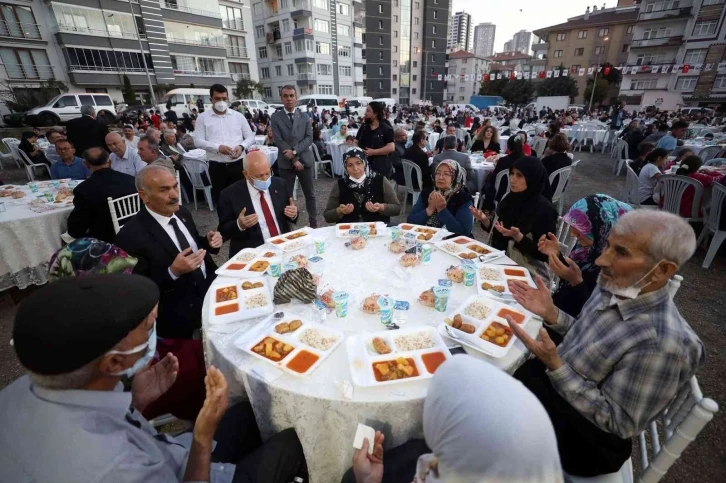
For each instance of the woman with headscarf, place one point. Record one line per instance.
(524, 215)
(361, 194)
(515, 150)
(506, 436)
(447, 203)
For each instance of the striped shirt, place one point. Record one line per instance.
(625, 360)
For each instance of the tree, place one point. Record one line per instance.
(518, 92)
(493, 87)
(246, 88)
(21, 97)
(614, 76)
(601, 91)
(128, 91)
(558, 86)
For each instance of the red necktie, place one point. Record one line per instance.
(268, 215)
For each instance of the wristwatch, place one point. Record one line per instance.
(294, 152)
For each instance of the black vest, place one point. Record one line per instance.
(360, 213)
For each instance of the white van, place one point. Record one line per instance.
(183, 100)
(387, 101)
(689, 111)
(357, 105)
(499, 109)
(65, 107)
(254, 105)
(463, 107)
(321, 101)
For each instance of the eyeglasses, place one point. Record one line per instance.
(443, 174)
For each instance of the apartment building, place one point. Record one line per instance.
(677, 55)
(484, 34)
(92, 44)
(521, 41)
(461, 32)
(587, 41)
(465, 75)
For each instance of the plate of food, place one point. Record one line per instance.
(480, 324)
(424, 233)
(493, 280)
(465, 248)
(293, 344)
(343, 230)
(240, 300)
(395, 357)
(292, 241)
(247, 263)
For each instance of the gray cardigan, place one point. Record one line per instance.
(392, 206)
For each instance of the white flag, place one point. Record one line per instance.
(626, 70)
(654, 69)
(721, 66)
(440, 77)
(519, 75)
(590, 70)
(466, 77)
(556, 73)
(526, 75)
(708, 67)
(664, 68)
(581, 72)
(676, 68)
(549, 74)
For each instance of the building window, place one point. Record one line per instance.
(433, 58)
(637, 85)
(395, 19)
(325, 69)
(582, 34)
(599, 50)
(695, 56)
(417, 5)
(415, 35)
(363, 56)
(462, 89)
(413, 91)
(321, 25)
(558, 53)
(278, 70)
(433, 44)
(575, 68)
(394, 90)
(231, 17)
(395, 48)
(260, 31)
(712, 2)
(395, 34)
(380, 84)
(720, 82)
(380, 55)
(629, 30)
(286, 25)
(288, 48)
(19, 21)
(322, 48)
(561, 36)
(257, 8)
(380, 70)
(346, 90)
(705, 28)
(344, 9)
(433, 29)
(380, 25)
(290, 69)
(344, 70)
(415, 20)
(415, 64)
(278, 50)
(380, 8)
(262, 52)
(325, 89)
(265, 73)
(344, 51)
(416, 50)
(414, 77)
(436, 14)
(380, 40)
(626, 48)
(323, 4)
(268, 92)
(603, 32)
(395, 63)
(656, 33)
(394, 77)
(343, 30)
(284, 4)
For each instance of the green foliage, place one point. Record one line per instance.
(601, 91)
(558, 86)
(128, 91)
(493, 87)
(518, 92)
(21, 97)
(614, 77)
(246, 88)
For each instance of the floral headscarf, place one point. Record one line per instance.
(593, 216)
(86, 256)
(458, 179)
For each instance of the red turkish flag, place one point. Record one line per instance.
(486, 77)
(542, 75)
(606, 71)
(686, 68)
(645, 68)
(512, 76)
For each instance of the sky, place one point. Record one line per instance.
(515, 15)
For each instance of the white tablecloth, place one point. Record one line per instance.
(259, 139)
(482, 170)
(28, 239)
(325, 421)
(270, 151)
(433, 139)
(336, 150)
(597, 135)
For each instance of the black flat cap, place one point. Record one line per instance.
(69, 323)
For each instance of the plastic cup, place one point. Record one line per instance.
(275, 266)
(469, 274)
(426, 251)
(55, 184)
(33, 187)
(441, 295)
(385, 309)
(365, 231)
(319, 245)
(395, 233)
(2, 207)
(341, 304)
(49, 196)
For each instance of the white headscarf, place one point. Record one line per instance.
(485, 426)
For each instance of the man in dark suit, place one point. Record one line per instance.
(416, 154)
(293, 136)
(171, 252)
(91, 215)
(87, 131)
(245, 214)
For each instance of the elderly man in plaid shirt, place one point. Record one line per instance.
(625, 357)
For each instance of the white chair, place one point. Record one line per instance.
(194, 169)
(294, 189)
(711, 227)
(8, 142)
(672, 187)
(122, 208)
(408, 169)
(622, 156)
(539, 146)
(566, 242)
(674, 284)
(715, 162)
(182, 191)
(558, 192)
(709, 153)
(583, 138)
(319, 161)
(631, 186)
(30, 166)
(573, 135)
(502, 177)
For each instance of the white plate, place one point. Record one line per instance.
(438, 233)
(361, 357)
(284, 243)
(463, 251)
(342, 232)
(226, 270)
(267, 329)
(502, 280)
(242, 313)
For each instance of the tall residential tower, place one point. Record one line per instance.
(484, 39)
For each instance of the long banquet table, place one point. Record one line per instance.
(323, 415)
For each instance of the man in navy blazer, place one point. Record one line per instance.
(256, 208)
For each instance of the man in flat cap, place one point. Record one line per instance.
(69, 421)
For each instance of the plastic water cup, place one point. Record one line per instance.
(341, 304)
(289, 266)
(469, 274)
(2, 207)
(319, 245)
(275, 266)
(365, 231)
(49, 196)
(33, 187)
(426, 253)
(441, 296)
(55, 184)
(395, 233)
(385, 309)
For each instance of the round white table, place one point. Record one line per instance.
(27, 238)
(270, 152)
(695, 147)
(259, 139)
(325, 418)
(482, 170)
(336, 149)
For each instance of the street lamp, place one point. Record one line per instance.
(143, 56)
(597, 69)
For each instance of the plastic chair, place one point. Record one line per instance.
(583, 138)
(558, 196)
(408, 169)
(566, 242)
(498, 182)
(715, 162)
(718, 198)
(631, 186)
(539, 146)
(709, 153)
(674, 284)
(122, 208)
(8, 142)
(318, 161)
(672, 187)
(622, 156)
(30, 166)
(194, 169)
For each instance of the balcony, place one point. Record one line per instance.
(306, 76)
(238, 76)
(201, 73)
(28, 72)
(72, 29)
(674, 41)
(650, 62)
(541, 46)
(95, 68)
(302, 31)
(237, 52)
(210, 42)
(273, 36)
(301, 8)
(195, 11)
(19, 30)
(233, 24)
(665, 14)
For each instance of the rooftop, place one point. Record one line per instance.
(501, 56)
(463, 54)
(608, 16)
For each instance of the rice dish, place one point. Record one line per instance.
(478, 310)
(450, 247)
(245, 257)
(489, 274)
(255, 301)
(413, 342)
(316, 340)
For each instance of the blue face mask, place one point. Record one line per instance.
(263, 185)
(149, 345)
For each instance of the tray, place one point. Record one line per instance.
(423, 231)
(361, 357)
(292, 241)
(465, 248)
(504, 274)
(246, 257)
(252, 338)
(474, 340)
(342, 232)
(242, 295)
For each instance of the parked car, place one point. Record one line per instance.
(277, 107)
(131, 112)
(65, 107)
(253, 105)
(14, 119)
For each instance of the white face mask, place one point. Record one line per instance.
(220, 106)
(631, 291)
(358, 180)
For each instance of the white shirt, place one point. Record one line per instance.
(255, 195)
(647, 181)
(129, 164)
(133, 142)
(164, 221)
(229, 129)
